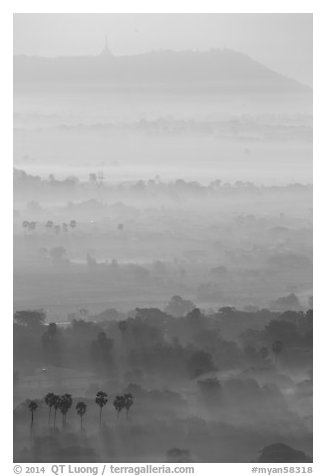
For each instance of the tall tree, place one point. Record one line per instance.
(49, 400)
(81, 408)
(128, 402)
(64, 405)
(101, 400)
(119, 403)
(32, 405)
(56, 405)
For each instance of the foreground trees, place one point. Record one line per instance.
(101, 400)
(123, 401)
(56, 405)
(118, 404)
(81, 408)
(49, 400)
(64, 403)
(128, 402)
(32, 407)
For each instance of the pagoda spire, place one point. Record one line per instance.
(106, 51)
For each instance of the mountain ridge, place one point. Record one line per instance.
(217, 69)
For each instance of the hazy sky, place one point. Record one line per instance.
(282, 41)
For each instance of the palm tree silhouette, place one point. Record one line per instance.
(64, 405)
(32, 407)
(101, 400)
(56, 405)
(81, 410)
(49, 400)
(128, 401)
(119, 404)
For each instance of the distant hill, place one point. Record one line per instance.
(219, 70)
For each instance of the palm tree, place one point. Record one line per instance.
(32, 405)
(101, 400)
(49, 400)
(119, 404)
(56, 405)
(81, 410)
(64, 406)
(68, 399)
(128, 401)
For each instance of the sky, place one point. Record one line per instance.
(280, 41)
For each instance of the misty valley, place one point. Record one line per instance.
(163, 300)
(144, 294)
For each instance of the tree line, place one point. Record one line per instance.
(63, 403)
